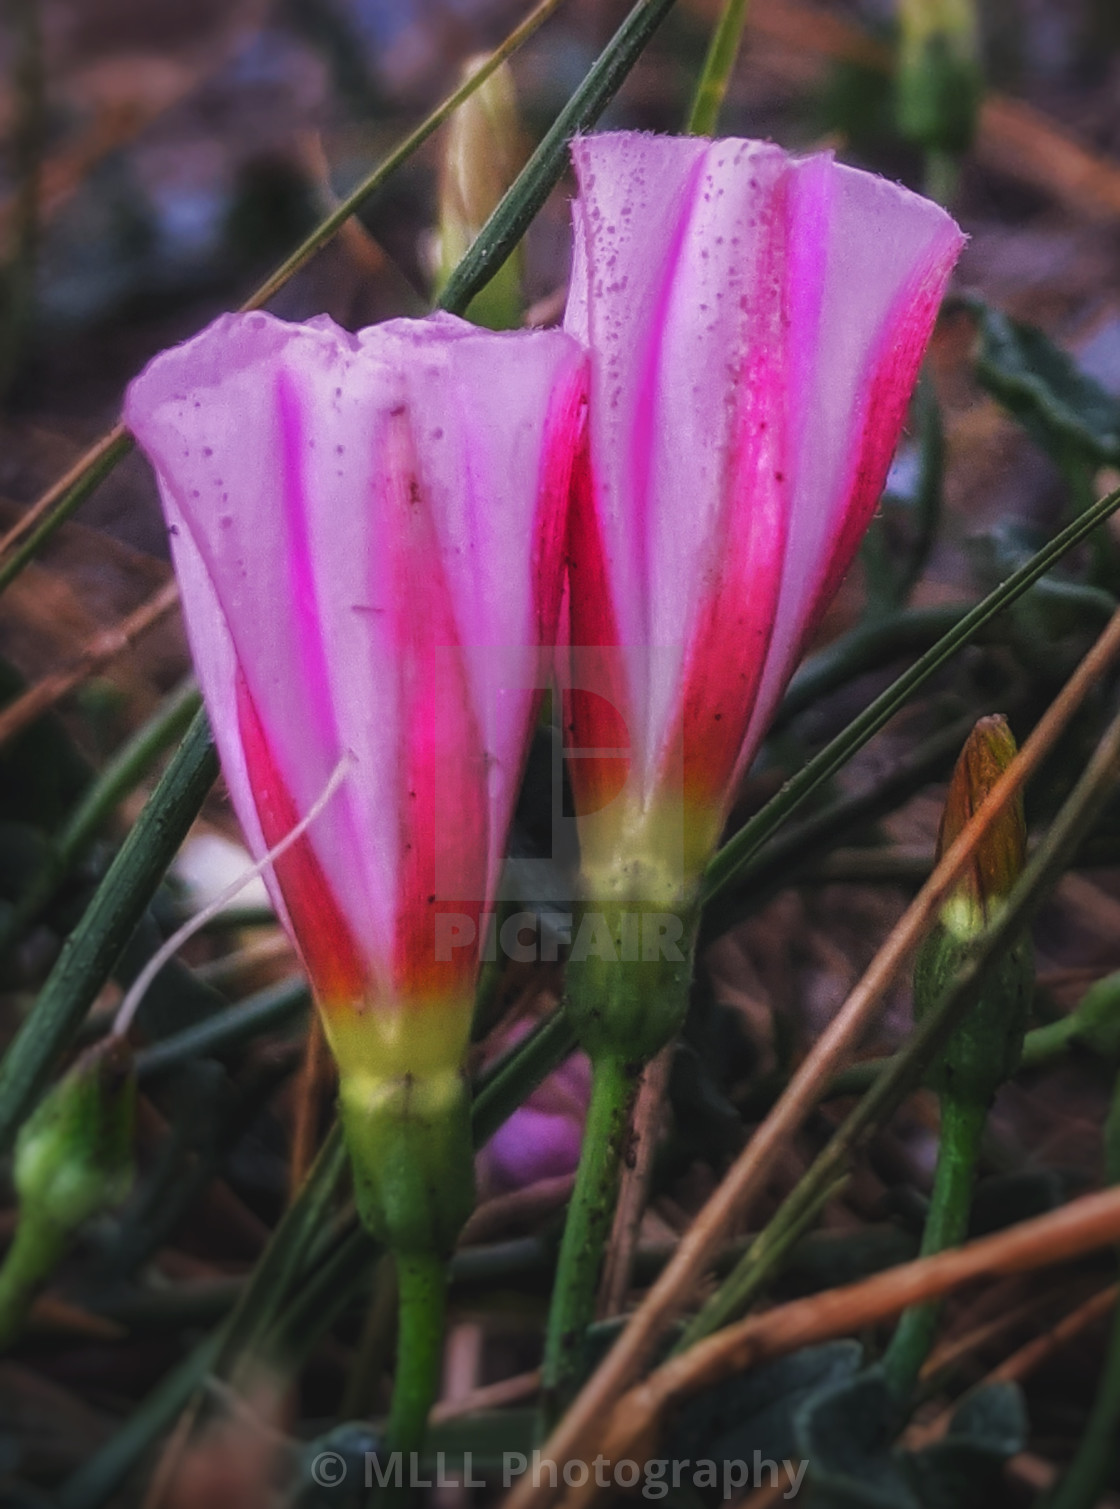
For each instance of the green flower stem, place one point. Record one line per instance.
(614, 1084)
(962, 1126)
(703, 118)
(422, 1302)
(36, 1250)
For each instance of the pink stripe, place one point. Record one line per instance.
(316, 676)
(643, 439)
(728, 649)
(892, 370)
(443, 814)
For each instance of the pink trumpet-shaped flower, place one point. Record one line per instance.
(756, 323)
(368, 534)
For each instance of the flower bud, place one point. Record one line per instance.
(481, 157)
(985, 1047)
(73, 1158)
(998, 859)
(939, 82)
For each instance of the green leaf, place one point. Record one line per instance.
(963, 1469)
(846, 1431)
(1065, 410)
(756, 1410)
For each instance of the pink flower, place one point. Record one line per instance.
(756, 323)
(542, 1139)
(368, 535)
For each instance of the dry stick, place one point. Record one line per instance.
(488, 1396)
(1091, 1222)
(948, 1353)
(1030, 1356)
(88, 459)
(634, 1187)
(98, 651)
(576, 1431)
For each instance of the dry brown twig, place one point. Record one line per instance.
(1008, 1318)
(1029, 1357)
(102, 648)
(580, 1428)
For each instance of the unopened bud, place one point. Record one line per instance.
(998, 859)
(482, 155)
(73, 1158)
(984, 1048)
(939, 81)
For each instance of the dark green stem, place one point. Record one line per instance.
(33, 1256)
(962, 1125)
(422, 1301)
(718, 65)
(614, 1084)
(268, 1009)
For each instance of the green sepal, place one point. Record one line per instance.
(985, 1047)
(412, 1157)
(628, 997)
(73, 1156)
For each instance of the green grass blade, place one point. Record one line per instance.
(103, 457)
(534, 183)
(703, 118)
